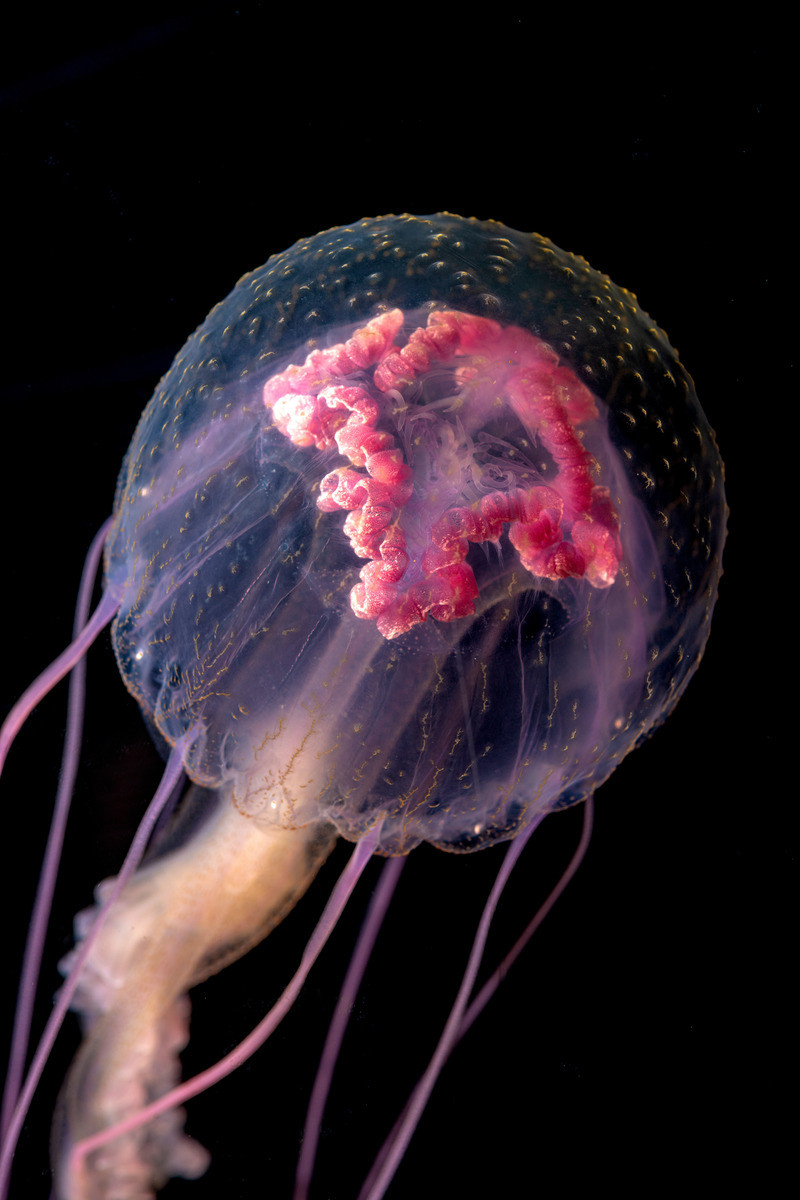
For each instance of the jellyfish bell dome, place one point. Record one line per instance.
(424, 524)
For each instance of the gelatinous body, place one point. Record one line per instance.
(505, 440)
(420, 532)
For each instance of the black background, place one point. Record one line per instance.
(150, 159)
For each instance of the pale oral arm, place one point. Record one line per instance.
(178, 921)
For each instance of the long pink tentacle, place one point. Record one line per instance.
(53, 674)
(490, 987)
(336, 1031)
(34, 945)
(395, 1147)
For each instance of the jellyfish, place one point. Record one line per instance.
(417, 539)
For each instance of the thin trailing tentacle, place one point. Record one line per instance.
(490, 987)
(336, 1031)
(32, 960)
(53, 674)
(395, 1147)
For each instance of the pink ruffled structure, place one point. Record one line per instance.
(407, 524)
